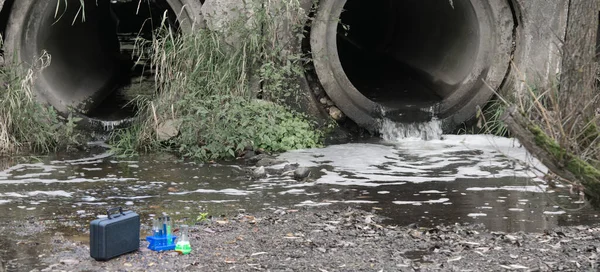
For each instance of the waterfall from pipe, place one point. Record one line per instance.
(395, 132)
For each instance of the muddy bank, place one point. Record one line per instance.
(323, 239)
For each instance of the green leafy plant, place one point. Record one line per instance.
(223, 97)
(202, 217)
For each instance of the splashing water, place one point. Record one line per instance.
(395, 132)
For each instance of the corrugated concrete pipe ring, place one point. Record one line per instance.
(397, 59)
(87, 63)
(412, 59)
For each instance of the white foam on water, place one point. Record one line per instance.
(419, 203)
(554, 213)
(92, 169)
(93, 159)
(91, 203)
(293, 192)
(415, 203)
(217, 201)
(353, 201)
(4, 201)
(476, 214)
(532, 189)
(129, 197)
(232, 192)
(35, 193)
(71, 180)
(448, 159)
(310, 203)
(88, 198)
(431, 192)
(39, 167)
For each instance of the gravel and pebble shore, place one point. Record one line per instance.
(325, 239)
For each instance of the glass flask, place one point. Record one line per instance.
(182, 244)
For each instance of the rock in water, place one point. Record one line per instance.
(259, 172)
(301, 173)
(268, 162)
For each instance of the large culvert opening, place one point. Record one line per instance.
(409, 53)
(136, 25)
(411, 60)
(94, 70)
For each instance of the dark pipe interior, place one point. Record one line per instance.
(409, 53)
(94, 57)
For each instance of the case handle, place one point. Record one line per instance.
(112, 210)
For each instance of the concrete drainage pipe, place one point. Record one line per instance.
(405, 59)
(88, 59)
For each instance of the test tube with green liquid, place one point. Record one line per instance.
(168, 228)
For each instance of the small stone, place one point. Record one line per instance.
(322, 250)
(168, 129)
(301, 173)
(290, 167)
(257, 158)
(69, 261)
(279, 212)
(268, 162)
(249, 154)
(336, 113)
(326, 101)
(259, 172)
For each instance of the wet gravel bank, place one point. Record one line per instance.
(322, 239)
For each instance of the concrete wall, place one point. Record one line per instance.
(541, 29)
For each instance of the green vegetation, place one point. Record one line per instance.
(489, 120)
(25, 124)
(218, 96)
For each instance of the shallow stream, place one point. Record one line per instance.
(467, 178)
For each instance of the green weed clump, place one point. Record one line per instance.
(489, 120)
(218, 98)
(25, 124)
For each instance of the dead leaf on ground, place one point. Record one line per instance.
(229, 260)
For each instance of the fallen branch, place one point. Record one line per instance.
(552, 155)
